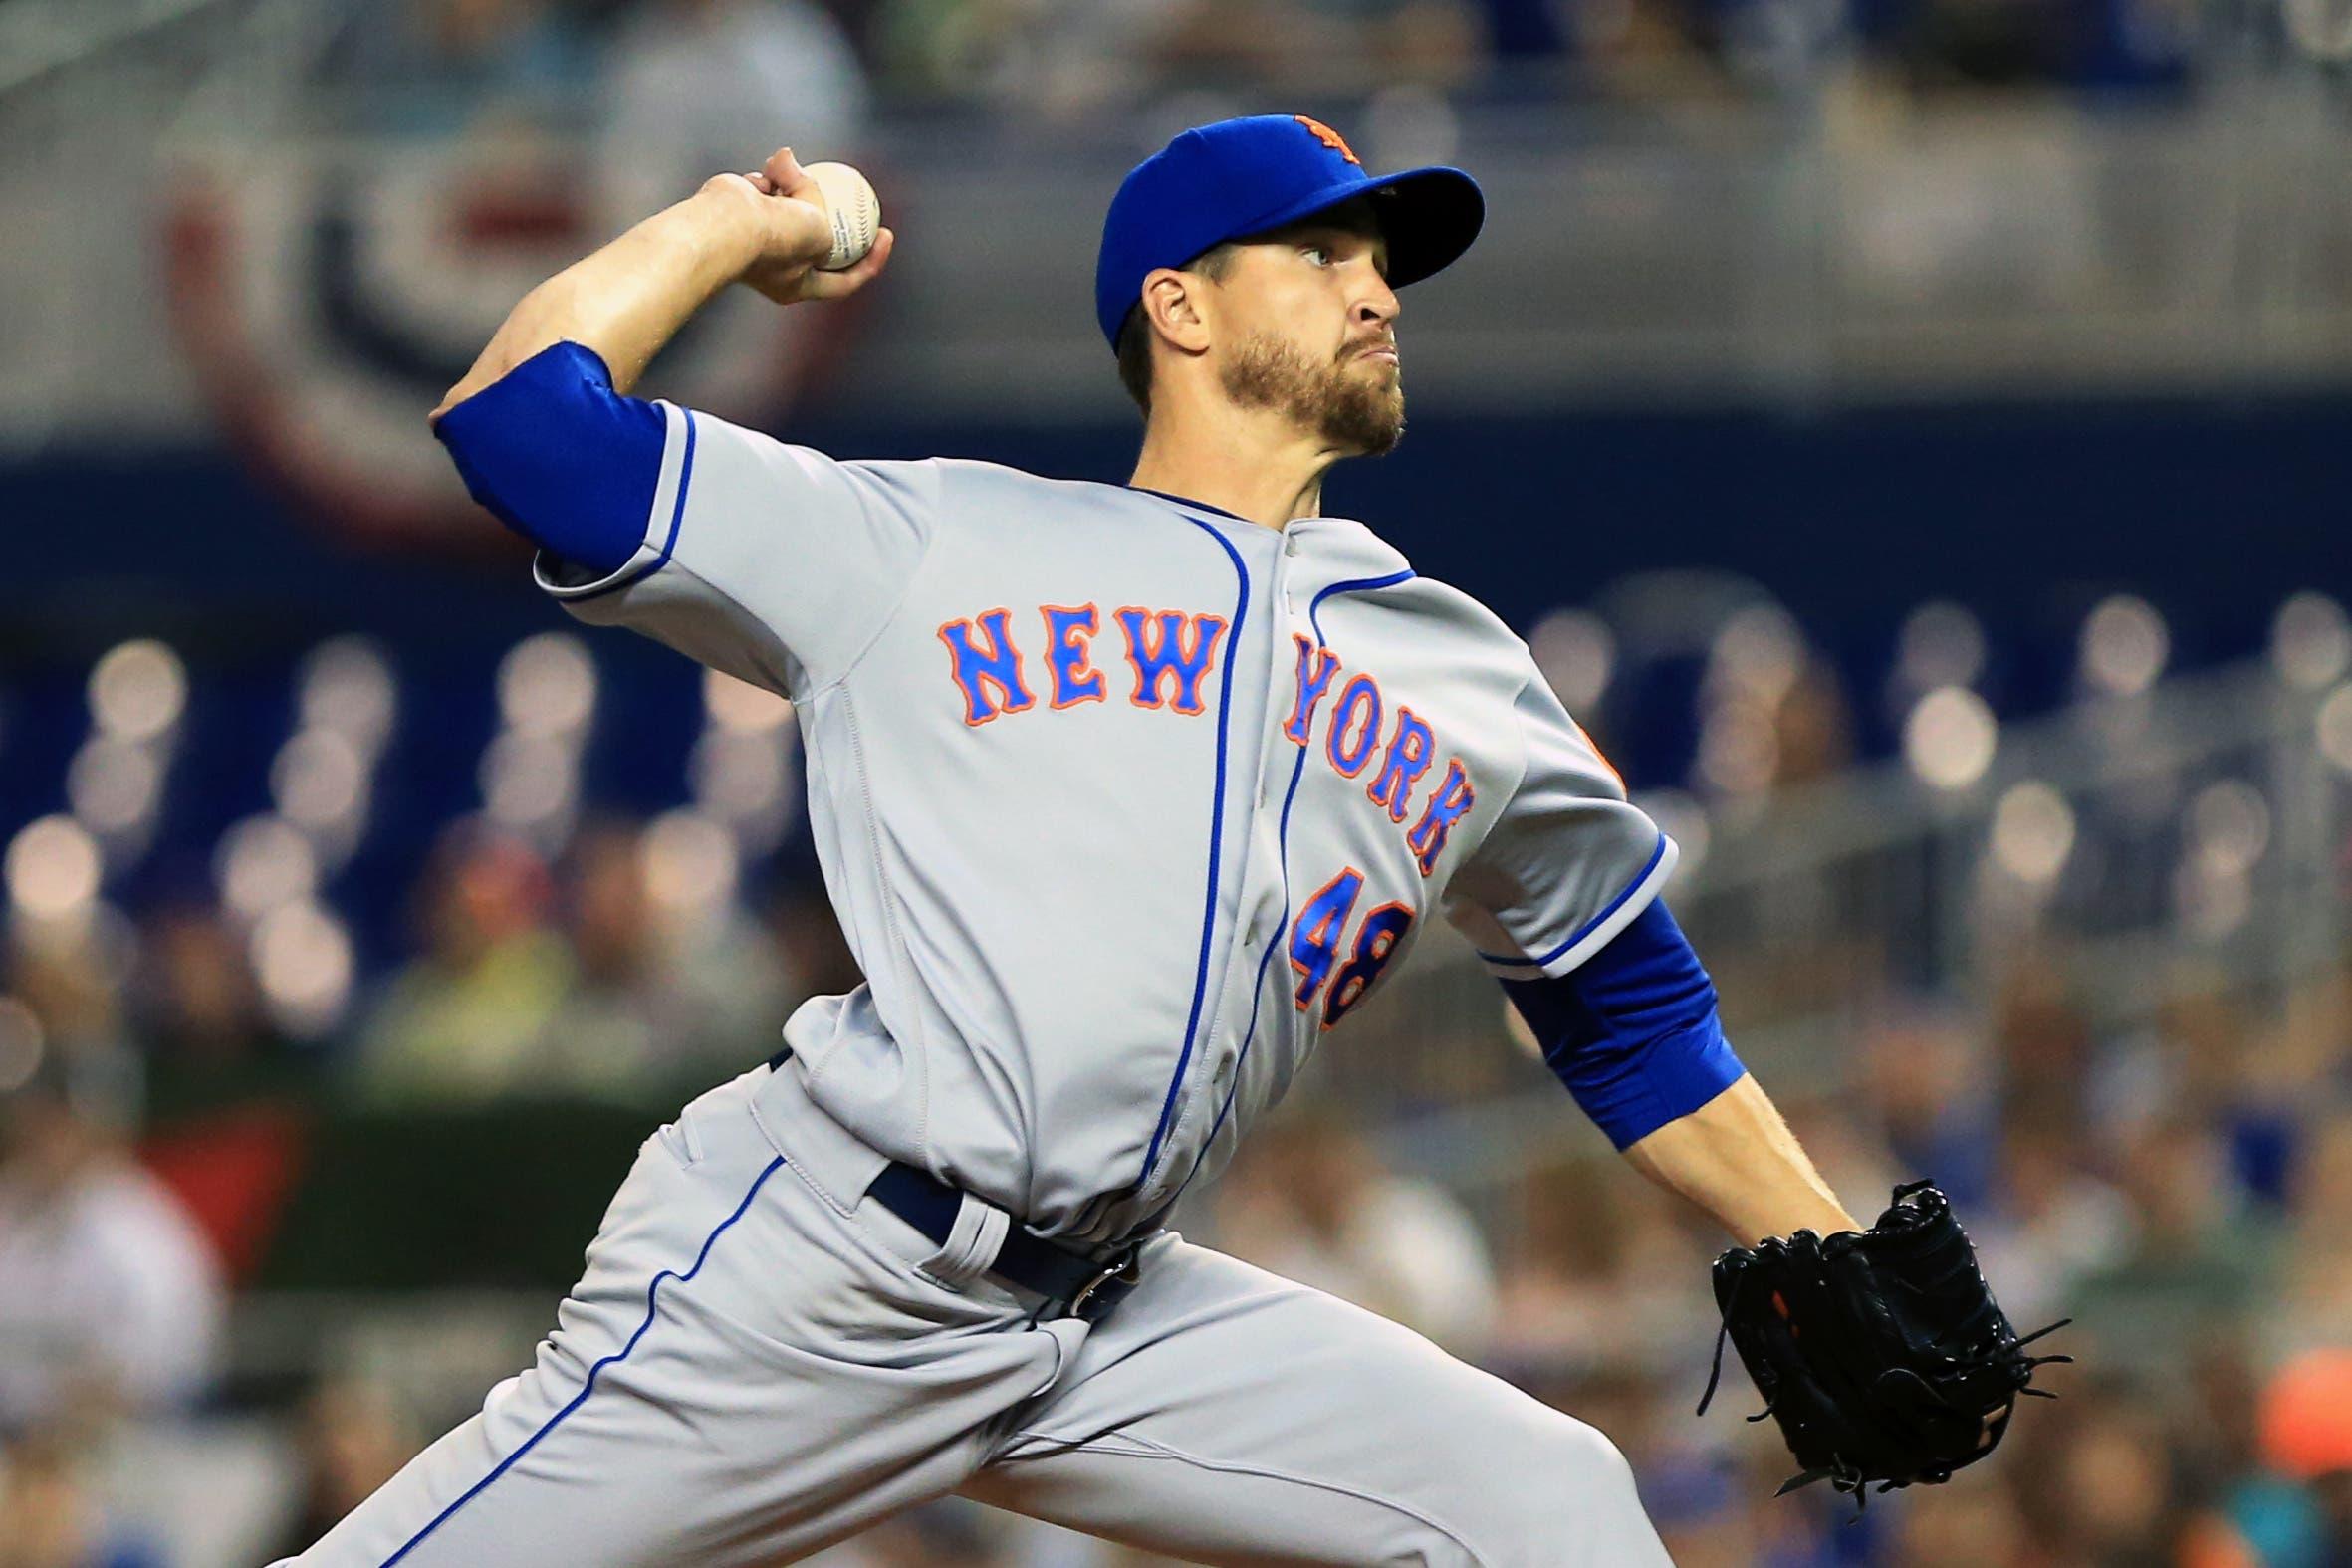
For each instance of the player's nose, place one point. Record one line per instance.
(1376, 302)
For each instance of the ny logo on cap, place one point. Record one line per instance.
(1329, 139)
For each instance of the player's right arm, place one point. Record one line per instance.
(626, 301)
(771, 561)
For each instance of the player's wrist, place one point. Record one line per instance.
(728, 227)
(754, 232)
(1824, 1220)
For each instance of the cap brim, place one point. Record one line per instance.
(1429, 216)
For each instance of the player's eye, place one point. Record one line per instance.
(1321, 254)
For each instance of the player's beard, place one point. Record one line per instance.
(1355, 411)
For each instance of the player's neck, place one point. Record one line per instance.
(1255, 468)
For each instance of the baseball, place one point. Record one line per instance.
(855, 210)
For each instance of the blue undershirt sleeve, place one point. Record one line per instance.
(1633, 1030)
(559, 457)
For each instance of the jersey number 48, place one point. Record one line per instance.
(1316, 936)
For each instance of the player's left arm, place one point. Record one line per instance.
(1635, 1035)
(1563, 898)
(1735, 1157)
(1561, 895)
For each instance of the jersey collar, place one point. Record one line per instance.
(1187, 500)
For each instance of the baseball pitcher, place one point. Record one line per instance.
(1125, 795)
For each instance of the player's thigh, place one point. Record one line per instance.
(743, 1375)
(1227, 1416)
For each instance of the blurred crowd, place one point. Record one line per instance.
(720, 75)
(156, 1112)
(2174, 1172)
(2173, 1169)
(2182, 1189)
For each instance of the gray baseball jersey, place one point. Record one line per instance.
(1123, 800)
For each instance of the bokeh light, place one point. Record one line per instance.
(1950, 738)
(2124, 646)
(691, 863)
(113, 786)
(2033, 832)
(2334, 727)
(1577, 653)
(347, 686)
(737, 776)
(1738, 751)
(137, 690)
(546, 685)
(2321, 29)
(1758, 655)
(301, 958)
(741, 707)
(529, 780)
(52, 867)
(262, 863)
(2229, 827)
(2310, 641)
(319, 779)
(2211, 904)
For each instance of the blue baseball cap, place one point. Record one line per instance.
(1239, 177)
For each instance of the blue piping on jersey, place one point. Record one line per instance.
(1314, 611)
(1590, 926)
(1200, 981)
(590, 1387)
(677, 515)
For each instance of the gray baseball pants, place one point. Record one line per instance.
(757, 1364)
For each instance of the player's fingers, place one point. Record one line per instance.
(784, 175)
(833, 285)
(1991, 1428)
(872, 262)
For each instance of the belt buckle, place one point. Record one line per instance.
(1108, 1287)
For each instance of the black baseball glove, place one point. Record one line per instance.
(1881, 1352)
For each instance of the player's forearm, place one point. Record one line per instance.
(628, 299)
(1735, 1157)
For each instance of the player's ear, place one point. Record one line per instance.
(1172, 301)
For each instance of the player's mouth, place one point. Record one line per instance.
(1382, 354)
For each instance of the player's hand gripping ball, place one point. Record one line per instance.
(820, 229)
(853, 208)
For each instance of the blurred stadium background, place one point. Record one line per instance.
(1914, 434)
